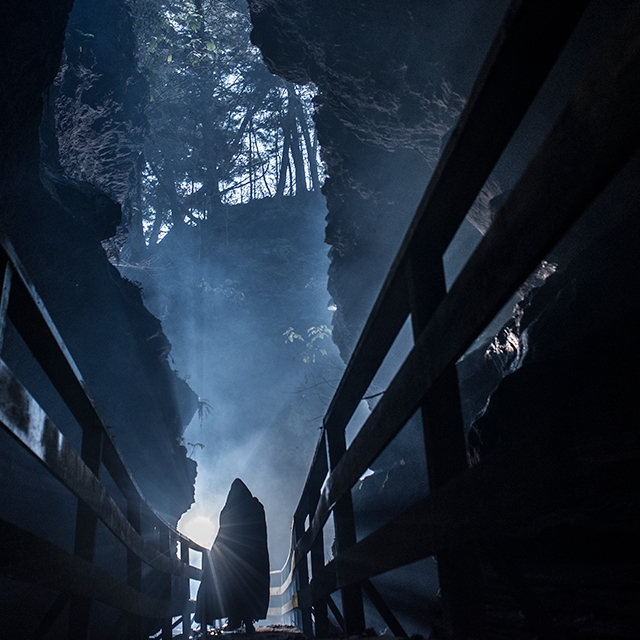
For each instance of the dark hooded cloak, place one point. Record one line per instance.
(235, 582)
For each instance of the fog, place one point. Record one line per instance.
(248, 320)
(236, 268)
(228, 238)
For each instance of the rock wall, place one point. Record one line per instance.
(391, 79)
(57, 224)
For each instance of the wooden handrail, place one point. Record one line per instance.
(31, 319)
(514, 485)
(515, 68)
(36, 432)
(23, 418)
(594, 137)
(486, 125)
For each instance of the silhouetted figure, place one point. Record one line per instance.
(235, 582)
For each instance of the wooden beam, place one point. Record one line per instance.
(345, 532)
(383, 609)
(303, 592)
(24, 419)
(134, 568)
(321, 621)
(524, 50)
(459, 574)
(186, 595)
(37, 561)
(336, 612)
(85, 534)
(4, 299)
(48, 620)
(164, 546)
(593, 138)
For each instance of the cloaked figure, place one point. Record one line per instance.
(235, 582)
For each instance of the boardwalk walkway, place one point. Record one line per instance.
(279, 632)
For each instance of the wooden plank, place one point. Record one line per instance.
(85, 534)
(523, 51)
(134, 568)
(387, 317)
(48, 620)
(36, 561)
(383, 609)
(526, 478)
(79, 616)
(345, 533)
(303, 594)
(594, 137)
(114, 634)
(336, 612)
(164, 546)
(28, 314)
(444, 439)
(445, 448)
(317, 464)
(24, 419)
(186, 594)
(318, 521)
(4, 299)
(321, 621)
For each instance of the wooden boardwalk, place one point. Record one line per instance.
(474, 513)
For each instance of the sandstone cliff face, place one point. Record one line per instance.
(391, 79)
(57, 223)
(387, 97)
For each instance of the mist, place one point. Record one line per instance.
(260, 294)
(245, 308)
(207, 196)
(261, 281)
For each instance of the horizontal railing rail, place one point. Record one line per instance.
(23, 418)
(595, 135)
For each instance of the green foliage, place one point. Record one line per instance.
(193, 445)
(221, 127)
(291, 335)
(312, 350)
(204, 409)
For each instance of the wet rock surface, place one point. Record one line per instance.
(56, 224)
(559, 361)
(388, 97)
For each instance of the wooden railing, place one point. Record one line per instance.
(35, 560)
(594, 136)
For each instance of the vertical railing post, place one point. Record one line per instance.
(166, 579)
(186, 586)
(85, 535)
(445, 448)
(317, 548)
(345, 530)
(302, 573)
(4, 300)
(134, 565)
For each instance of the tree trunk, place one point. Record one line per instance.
(296, 152)
(311, 149)
(284, 166)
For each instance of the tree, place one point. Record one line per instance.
(222, 129)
